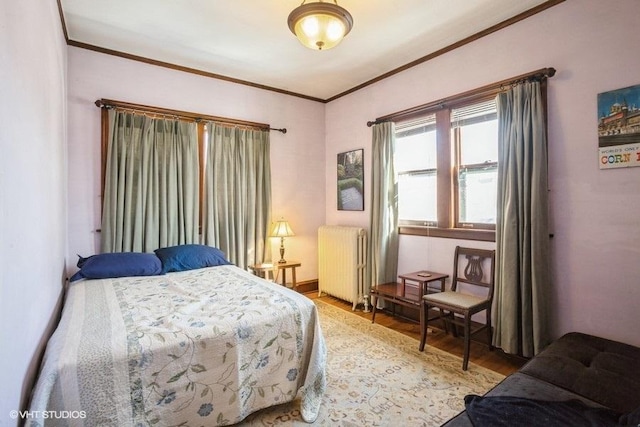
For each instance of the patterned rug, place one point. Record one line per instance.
(377, 377)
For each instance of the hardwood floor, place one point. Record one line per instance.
(495, 360)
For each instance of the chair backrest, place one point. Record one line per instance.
(475, 267)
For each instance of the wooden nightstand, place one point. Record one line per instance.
(264, 269)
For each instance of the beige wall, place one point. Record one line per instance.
(595, 217)
(297, 157)
(32, 189)
(595, 213)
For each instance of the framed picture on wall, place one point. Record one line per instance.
(351, 180)
(619, 128)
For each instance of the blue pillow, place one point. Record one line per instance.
(82, 260)
(190, 257)
(118, 264)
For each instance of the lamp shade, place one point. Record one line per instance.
(282, 229)
(320, 25)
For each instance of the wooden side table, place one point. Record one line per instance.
(409, 291)
(264, 269)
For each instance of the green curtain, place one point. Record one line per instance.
(383, 239)
(151, 183)
(522, 295)
(238, 193)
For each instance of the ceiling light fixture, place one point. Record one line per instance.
(320, 25)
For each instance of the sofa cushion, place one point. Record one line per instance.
(604, 371)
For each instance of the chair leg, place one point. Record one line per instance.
(374, 302)
(467, 341)
(454, 327)
(424, 315)
(489, 330)
(444, 322)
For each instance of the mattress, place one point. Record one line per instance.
(202, 347)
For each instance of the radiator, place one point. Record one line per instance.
(342, 261)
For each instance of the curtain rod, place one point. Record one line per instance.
(111, 104)
(487, 90)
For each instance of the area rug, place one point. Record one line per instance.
(377, 377)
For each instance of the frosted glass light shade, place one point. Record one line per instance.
(320, 26)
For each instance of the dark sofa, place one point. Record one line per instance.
(578, 372)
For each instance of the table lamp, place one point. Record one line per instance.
(282, 229)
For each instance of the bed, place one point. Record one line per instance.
(206, 346)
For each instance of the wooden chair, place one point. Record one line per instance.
(466, 303)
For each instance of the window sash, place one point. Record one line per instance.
(417, 171)
(420, 217)
(462, 202)
(470, 207)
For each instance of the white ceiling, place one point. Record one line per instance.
(249, 40)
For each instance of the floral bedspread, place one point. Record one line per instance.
(202, 347)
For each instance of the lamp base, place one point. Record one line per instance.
(282, 260)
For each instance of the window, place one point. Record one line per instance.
(416, 165)
(474, 131)
(192, 190)
(446, 159)
(447, 165)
